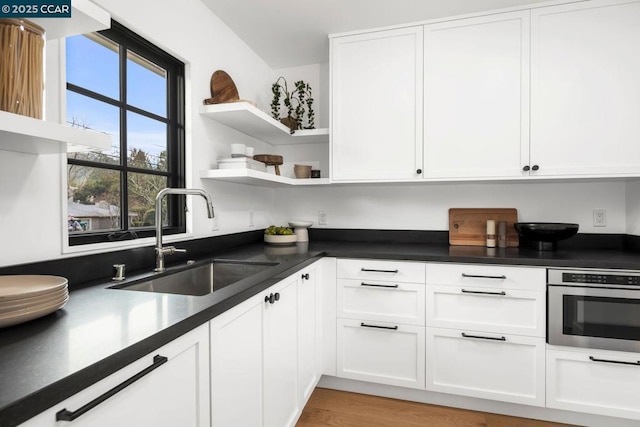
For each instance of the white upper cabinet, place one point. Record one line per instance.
(476, 96)
(585, 91)
(376, 117)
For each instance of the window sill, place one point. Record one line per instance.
(94, 248)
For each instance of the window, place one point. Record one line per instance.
(120, 84)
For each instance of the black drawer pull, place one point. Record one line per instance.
(373, 285)
(483, 338)
(66, 415)
(593, 359)
(465, 291)
(364, 325)
(370, 270)
(476, 276)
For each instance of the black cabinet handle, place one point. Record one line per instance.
(535, 167)
(305, 276)
(364, 325)
(370, 270)
(526, 168)
(270, 299)
(480, 276)
(373, 285)
(620, 362)
(276, 296)
(483, 338)
(66, 415)
(419, 171)
(465, 291)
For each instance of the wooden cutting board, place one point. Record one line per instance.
(468, 226)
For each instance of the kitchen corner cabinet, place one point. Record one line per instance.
(172, 389)
(476, 96)
(594, 381)
(264, 355)
(376, 101)
(584, 88)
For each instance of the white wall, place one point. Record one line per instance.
(32, 190)
(423, 206)
(31, 194)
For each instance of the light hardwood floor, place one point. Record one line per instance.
(341, 409)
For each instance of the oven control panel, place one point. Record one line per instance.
(593, 277)
(603, 279)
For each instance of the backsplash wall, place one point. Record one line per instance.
(424, 206)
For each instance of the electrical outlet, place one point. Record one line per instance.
(599, 218)
(322, 218)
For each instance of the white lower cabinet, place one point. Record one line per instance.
(280, 359)
(596, 382)
(309, 331)
(381, 352)
(381, 301)
(502, 367)
(510, 311)
(236, 365)
(266, 353)
(170, 388)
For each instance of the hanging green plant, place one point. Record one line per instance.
(298, 102)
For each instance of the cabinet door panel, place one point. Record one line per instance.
(480, 309)
(236, 366)
(476, 114)
(585, 90)
(487, 276)
(309, 332)
(577, 383)
(376, 354)
(387, 302)
(280, 363)
(176, 393)
(375, 269)
(509, 368)
(376, 127)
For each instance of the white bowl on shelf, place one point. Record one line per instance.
(280, 239)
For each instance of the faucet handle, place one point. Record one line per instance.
(184, 251)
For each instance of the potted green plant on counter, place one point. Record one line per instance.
(298, 102)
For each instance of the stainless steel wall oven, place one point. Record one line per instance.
(597, 309)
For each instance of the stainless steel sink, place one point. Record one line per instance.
(197, 280)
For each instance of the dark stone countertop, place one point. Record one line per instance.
(102, 330)
(570, 258)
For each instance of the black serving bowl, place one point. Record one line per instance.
(545, 235)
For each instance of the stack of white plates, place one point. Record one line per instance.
(27, 297)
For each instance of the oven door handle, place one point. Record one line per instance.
(620, 362)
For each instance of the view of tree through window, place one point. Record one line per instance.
(119, 84)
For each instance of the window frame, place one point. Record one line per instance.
(175, 121)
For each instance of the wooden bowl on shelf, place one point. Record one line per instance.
(270, 160)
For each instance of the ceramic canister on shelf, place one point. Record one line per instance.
(21, 67)
(491, 233)
(502, 234)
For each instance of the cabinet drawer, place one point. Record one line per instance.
(383, 301)
(502, 367)
(608, 385)
(396, 271)
(382, 353)
(487, 276)
(487, 309)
